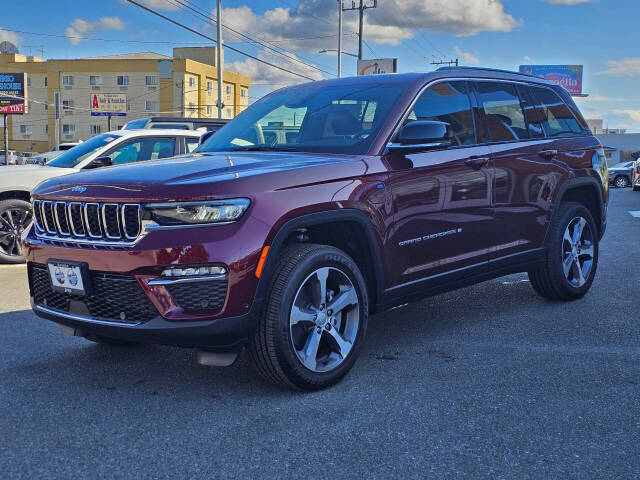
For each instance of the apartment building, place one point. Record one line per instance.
(182, 85)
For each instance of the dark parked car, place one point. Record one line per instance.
(395, 187)
(635, 180)
(179, 123)
(621, 174)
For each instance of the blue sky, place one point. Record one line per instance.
(602, 35)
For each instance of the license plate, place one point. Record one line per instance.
(67, 277)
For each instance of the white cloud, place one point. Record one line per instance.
(632, 114)
(158, 4)
(80, 27)
(527, 58)
(9, 37)
(467, 57)
(313, 24)
(627, 67)
(569, 2)
(262, 73)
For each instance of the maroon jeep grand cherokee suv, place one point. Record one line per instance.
(319, 205)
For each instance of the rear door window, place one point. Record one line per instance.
(447, 102)
(555, 115)
(504, 116)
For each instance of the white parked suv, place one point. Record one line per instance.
(107, 149)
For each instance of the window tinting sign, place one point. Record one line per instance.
(12, 93)
(108, 104)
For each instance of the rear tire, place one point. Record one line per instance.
(621, 182)
(312, 329)
(571, 256)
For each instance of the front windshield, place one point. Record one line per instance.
(326, 119)
(72, 157)
(135, 124)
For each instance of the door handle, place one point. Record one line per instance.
(477, 162)
(548, 154)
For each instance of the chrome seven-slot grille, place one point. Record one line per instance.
(87, 222)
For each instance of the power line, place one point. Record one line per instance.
(256, 40)
(181, 25)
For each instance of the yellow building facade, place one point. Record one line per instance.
(184, 85)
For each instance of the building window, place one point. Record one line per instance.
(67, 80)
(229, 113)
(67, 106)
(128, 105)
(95, 80)
(192, 82)
(151, 106)
(28, 80)
(123, 80)
(209, 109)
(46, 107)
(46, 129)
(243, 92)
(228, 89)
(95, 129)
(26, 130)
(192, 107)
(45, 81)
(68, 129)
(209, 87)
(151, 80)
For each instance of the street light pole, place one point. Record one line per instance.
(339, 37)
(360, 32)
(219, 60)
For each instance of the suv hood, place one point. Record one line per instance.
(190, 176)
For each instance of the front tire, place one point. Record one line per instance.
(313, 326)
(15, 216)
(571, 255)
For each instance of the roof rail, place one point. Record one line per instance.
(488, 70)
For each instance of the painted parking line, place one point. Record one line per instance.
(634, 213)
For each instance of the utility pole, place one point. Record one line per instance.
(339, 38)
(6, 141)
(450, 62)
(361, 8)
(219, 64)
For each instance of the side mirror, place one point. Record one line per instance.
(421, 135)
(100, 162)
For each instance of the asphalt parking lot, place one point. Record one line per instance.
(486, 382)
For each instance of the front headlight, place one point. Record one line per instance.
(195, 213)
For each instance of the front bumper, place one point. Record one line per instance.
(166, 319)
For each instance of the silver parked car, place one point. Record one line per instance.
(108, 149)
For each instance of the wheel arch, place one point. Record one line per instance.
(16, 195)
(349, 230)
(587, 191)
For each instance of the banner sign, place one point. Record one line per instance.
(12, 98)
(377, 66)
(109, 104)
(569, 76)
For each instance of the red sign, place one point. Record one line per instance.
(12, 108)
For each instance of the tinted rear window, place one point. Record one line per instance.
(503, 113)
(555, 115)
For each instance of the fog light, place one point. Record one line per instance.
(194, 271)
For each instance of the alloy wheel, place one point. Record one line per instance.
(577, 252)
(621, 182)
(13, 221)
(324, 319)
